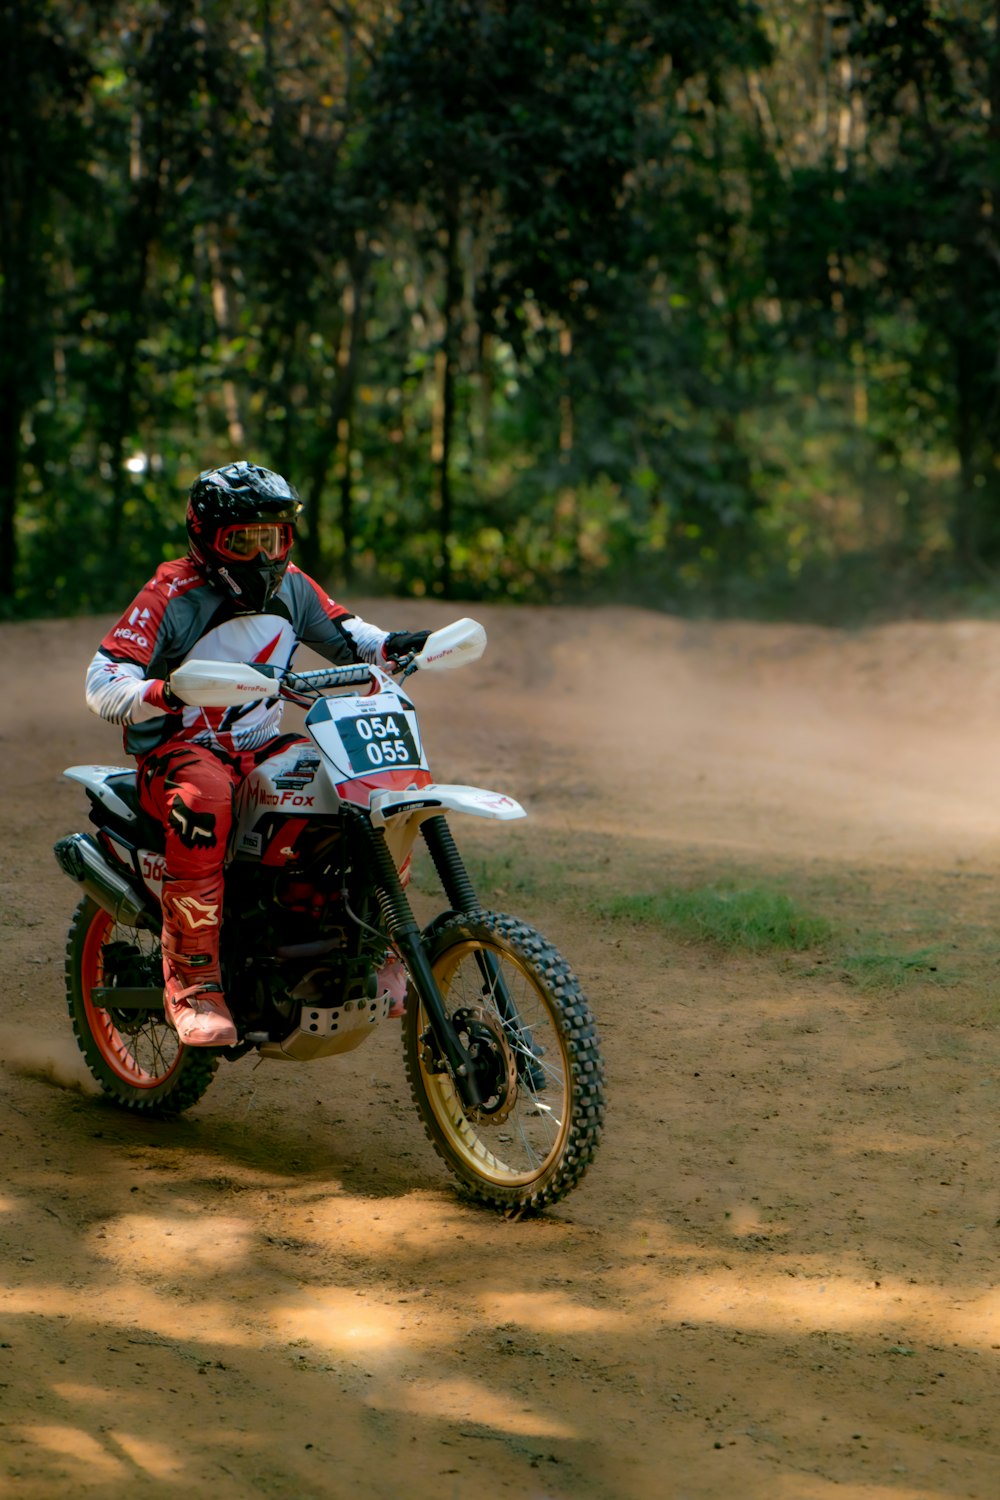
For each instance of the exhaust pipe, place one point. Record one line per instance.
(84, 862)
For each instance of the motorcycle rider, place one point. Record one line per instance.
(235, 597)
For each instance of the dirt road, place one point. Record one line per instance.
(779, 1279)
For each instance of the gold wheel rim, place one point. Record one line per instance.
(475, 1142)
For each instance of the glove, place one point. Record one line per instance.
(162, 696)
(174, 705)
(400, 644)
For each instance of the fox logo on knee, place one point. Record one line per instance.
(194, 829)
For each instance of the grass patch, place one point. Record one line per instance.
(757, 918)
(890, 971)
(763, 919)
(885, 935)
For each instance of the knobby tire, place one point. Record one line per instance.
(134, 1056)
(543, 1135)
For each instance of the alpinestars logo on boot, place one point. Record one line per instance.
(197, 913)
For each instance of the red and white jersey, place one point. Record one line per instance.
(178, 617)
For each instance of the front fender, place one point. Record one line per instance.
(438, 797)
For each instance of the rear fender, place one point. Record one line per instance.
(96, 779)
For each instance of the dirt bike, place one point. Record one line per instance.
(319, 936)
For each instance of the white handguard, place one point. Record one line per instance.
(455, 645)
(220, 684)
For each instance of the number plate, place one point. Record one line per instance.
(378, 742)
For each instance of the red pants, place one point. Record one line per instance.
(189, 789)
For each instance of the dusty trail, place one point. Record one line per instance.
(778, 1281)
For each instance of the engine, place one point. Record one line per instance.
(289, 940)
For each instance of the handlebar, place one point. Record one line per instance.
(327, 677)
(213, 684)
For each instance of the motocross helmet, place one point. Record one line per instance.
(241, 524)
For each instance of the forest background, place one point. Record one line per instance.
(692, 305)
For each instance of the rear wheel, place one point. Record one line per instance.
(134, 1054)
(523, 1018)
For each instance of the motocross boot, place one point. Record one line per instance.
(392, 981)
(193, 998)
(198, 1013)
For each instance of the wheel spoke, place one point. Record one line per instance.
(520, 1012)
(522, 1136)
(134, 1055)
(142, 1055)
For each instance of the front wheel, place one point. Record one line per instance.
(524, 1021)
(134, 1055)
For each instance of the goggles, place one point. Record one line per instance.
(239, 543)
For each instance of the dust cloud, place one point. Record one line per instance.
(55, 1060)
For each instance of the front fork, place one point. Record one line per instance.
(402, 928)
(460, 893)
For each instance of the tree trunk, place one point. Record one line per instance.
(10, 424)
(346, 434)
(447, 367)
(19, 260)
(965, 523)
(138, 231)
(338, 426)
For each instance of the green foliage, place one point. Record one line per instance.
(530, 301)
